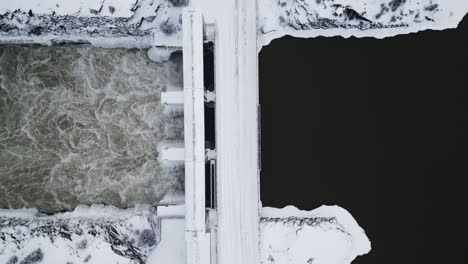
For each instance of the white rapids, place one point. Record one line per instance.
(81, 125)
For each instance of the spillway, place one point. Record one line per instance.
(82, 125)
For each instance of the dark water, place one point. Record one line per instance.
(81, 125)
(378, 127)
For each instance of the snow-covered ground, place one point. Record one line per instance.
(171, 247)
(146, 23)
(96, 234)
(326, 235)
(111, 8)
(359, 18)
(106, 23)
(105, 234)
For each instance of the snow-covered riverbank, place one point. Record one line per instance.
(103, 234)
(147, 23)
(96, 234)
(326, 235)
(358, 18)
(108, 23)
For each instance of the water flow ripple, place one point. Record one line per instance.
(81, 125)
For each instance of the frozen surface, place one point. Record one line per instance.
(81, 125)
(360, 18)
(96, 234)
(111, 8)
(326, 235)
(237, 170)
(107, 23)
(171, 249)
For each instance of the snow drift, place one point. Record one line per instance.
(359, 18)
(326, 235)
(107, 23)
(96, 234)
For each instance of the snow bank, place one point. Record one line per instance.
(106, 23)
(112, 8)
(359, 18)
(326, 235)
(95, 234)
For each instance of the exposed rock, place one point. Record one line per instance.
(147, 238)
(167, 28)
(12, 260)
(35, 257)
(395, 4)
(179, 3)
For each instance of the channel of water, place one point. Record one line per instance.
(81, 125)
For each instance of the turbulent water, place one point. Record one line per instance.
(81, 125)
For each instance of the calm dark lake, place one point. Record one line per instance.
(378, 127)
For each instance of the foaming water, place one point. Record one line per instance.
(81, 125)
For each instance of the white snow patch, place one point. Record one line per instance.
(177, 211)
(171, 249)
(94, 234)
(19, 213)
(121, 23)
(326, 235)
(91, 234)
(161, 54)
(326, 18)
(170, 155)
(89, 8)
(95, 211)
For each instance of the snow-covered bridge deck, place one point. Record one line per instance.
(235, 41)
(236, 82)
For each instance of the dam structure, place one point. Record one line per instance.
(229, 231)
(236, 118)
(136, 128)
(219, 212)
